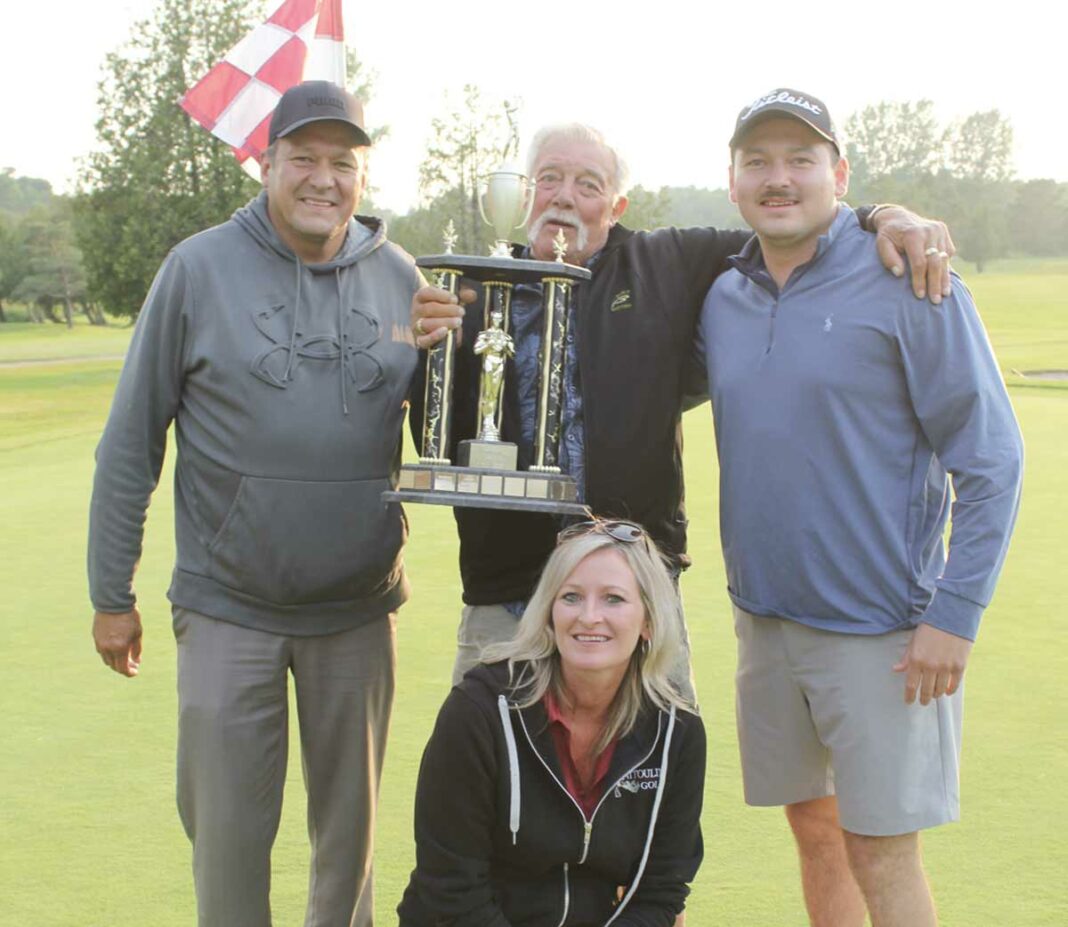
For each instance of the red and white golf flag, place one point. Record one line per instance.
(301, 40)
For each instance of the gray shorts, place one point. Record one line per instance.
(821, 713)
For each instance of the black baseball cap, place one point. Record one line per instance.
(316, 101)
(786, 102)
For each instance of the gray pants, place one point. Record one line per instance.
(481, 625)
(232, 746)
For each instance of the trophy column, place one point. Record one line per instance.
(437, 399)
(556, 313)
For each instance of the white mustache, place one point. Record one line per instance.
(553, 214)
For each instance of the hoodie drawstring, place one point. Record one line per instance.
(513, 766)
(652, 820)
(343, 357)
(293, 332)
(342, 341)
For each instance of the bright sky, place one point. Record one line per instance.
(664, 80)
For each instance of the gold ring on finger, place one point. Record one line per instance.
(931, 250)
(419, 330)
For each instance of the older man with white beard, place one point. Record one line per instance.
(629, 338)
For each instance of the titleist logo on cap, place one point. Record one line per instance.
(782, 96)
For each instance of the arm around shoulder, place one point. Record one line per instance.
(705, 253)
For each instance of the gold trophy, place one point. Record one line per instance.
(486, 474)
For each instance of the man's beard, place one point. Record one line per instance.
(552, 214)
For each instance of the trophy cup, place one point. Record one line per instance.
(485, 475)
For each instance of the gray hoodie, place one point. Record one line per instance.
(286, 383)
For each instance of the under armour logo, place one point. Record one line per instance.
(360, 332)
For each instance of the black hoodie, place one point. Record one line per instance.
(501, 843)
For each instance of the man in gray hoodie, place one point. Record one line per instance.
(278, 344)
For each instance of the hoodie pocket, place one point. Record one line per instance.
(292, 542)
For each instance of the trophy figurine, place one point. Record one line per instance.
(485, 474)
(494, 346)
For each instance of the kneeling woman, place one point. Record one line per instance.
(562, 784)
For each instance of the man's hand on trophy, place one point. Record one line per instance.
(436, 312)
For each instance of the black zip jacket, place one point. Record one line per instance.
(634, 329)
(635, 334)
(501, 843)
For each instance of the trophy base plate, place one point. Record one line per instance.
(488, 455)
(479, 488)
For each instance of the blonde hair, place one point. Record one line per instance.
(647, 675)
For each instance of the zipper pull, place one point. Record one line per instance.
(587, 830)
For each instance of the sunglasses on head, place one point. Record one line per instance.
(627, 532)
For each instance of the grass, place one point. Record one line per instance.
(1026, 326)
(91, 836)
(32, 342)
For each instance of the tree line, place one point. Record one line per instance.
(156, 177)
(41, 265)
(962, 173)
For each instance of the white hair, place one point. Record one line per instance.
(578, 132)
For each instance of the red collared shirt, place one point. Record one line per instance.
(587, 795)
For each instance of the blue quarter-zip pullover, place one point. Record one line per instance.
(844, 408)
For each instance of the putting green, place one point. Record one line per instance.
(91, 836)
